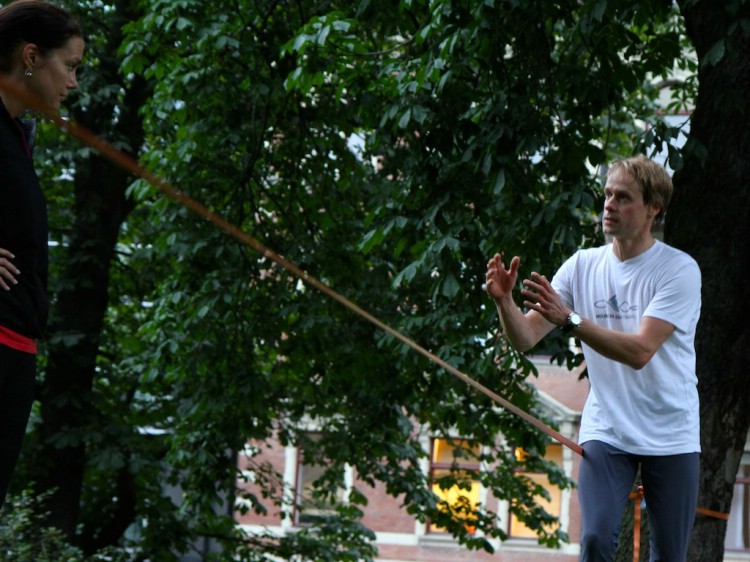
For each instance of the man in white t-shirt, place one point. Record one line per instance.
(634, 306)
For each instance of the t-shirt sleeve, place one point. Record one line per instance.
(678, 297)
(563, 280)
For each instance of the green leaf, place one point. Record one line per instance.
(450, 286)
(716, 53)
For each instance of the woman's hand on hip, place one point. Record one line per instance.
(8, 271)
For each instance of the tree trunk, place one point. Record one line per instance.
(709, 218)
(79, 307)
(75, 329)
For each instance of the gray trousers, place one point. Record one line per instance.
(670, 485)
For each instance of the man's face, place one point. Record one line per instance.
(626, 216)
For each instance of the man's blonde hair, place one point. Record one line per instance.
(653, 179)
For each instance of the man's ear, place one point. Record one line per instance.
(654, 210)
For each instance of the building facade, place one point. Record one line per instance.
(400, 538)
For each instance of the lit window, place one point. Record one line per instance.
(551, 506)
(463, 455)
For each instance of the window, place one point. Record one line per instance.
(462, 454)
(738, 526)
(308, 508)
(554, 454)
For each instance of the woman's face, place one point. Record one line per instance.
(55, 74)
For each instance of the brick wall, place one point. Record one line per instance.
(400, 537)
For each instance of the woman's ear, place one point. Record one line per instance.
(30, 55)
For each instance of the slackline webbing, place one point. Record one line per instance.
(128, 163)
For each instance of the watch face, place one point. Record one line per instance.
(574, 321)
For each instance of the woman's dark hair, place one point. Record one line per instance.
(45, 25)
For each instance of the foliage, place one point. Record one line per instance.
(467, 121)
(25, 538)
(389, 149)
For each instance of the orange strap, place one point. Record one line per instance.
(712, 513)
(127, 163)
(637, 496)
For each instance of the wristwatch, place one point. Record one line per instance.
(574, 321)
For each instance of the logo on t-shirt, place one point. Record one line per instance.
(616, 309)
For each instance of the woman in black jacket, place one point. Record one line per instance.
(41, 47)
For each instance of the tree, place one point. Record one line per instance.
(481, 123)
(284, 173)
(68, 437)
(714, 178)
(398, 78)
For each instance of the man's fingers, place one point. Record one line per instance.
(514, 263)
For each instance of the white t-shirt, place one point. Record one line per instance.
(654, 410)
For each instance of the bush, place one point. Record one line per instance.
(25, 537)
